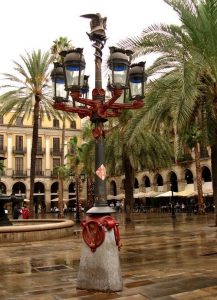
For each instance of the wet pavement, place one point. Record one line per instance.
(161, 259)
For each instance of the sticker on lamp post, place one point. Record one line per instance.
(101, 172)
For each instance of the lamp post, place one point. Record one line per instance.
(99, 254)
(173, 212)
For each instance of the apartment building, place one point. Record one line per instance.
(15, 146)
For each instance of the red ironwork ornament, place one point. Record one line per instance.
(97, 107)
(94, 231)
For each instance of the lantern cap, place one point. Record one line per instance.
(74, 55)
(119, 54)
(57, 70)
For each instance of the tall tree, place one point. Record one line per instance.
(60, 44)
(189, 49)
(28, 95)
(130, 148)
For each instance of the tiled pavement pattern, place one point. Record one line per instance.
(161, 259)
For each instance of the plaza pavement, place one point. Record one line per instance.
(161, 259)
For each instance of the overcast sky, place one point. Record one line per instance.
(30, 24)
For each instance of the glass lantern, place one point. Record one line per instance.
(58, 82)
(74, 67)
(137, 79)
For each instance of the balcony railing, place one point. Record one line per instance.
(53, 174)
(3, 150)
(40, 151)
(19, 173)
(55, 152)
(39, 173)
(20, 151)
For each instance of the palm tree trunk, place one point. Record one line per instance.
(129, 187)
(34, 151)
(214, 175)
(199, 180)
(90, 192)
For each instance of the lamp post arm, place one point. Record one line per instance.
(115, 95)
(82, 112)
(134, 105)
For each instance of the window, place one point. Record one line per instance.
(56, 163)
(1, 142)
(19, 121)
(56, 146)
(19, 165)
(56, 123)
(73, 125)
(38, 166)
(39, 145)
(19, 142)
(1, 120)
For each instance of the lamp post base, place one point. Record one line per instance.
(100, 267)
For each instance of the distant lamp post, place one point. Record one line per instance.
(173, 211)
(100, 229)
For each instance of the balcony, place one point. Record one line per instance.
(53, 174)
(19, 173)
(3, 150)
(40, 151)
(55, 152)
(20, 151)
(39, 173)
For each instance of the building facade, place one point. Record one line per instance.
(181, 177)
(15, 146)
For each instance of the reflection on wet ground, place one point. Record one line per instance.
(161, 258)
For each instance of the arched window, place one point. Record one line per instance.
(189, 177)
(113, 188)
(206, 174)
(159, 180)
(19, 188)
(146, 182)
(173, 182)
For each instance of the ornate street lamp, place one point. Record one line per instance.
(100, 230)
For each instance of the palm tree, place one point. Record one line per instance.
(88, 161)
(190, 50)
(130, 148)
(75, 160)
(60, 44)
(29, 95)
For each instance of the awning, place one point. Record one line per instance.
(167, 194)
(110, 197)
(151, 194)
(187, 193)
(139, 195)
(116, 197)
